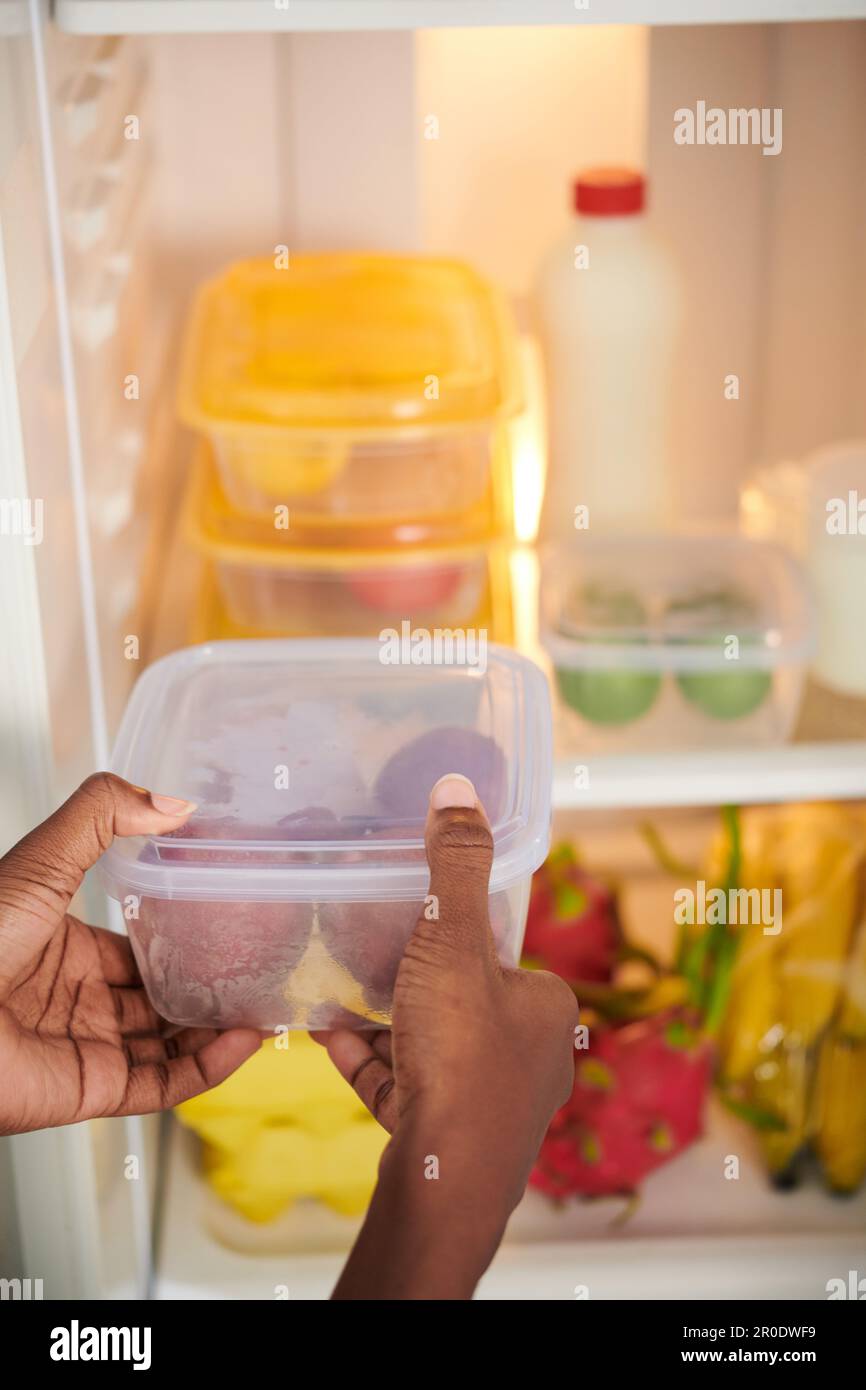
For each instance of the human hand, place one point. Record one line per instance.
(476, 1063)
(78, 1036)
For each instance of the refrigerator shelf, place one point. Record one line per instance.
(271, 16)
(695, 1234)
(792, 772)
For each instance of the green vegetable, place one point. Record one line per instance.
(608, 697)
(606, 613)
(707, 618)
(726, 694)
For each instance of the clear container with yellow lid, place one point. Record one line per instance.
(359, 387)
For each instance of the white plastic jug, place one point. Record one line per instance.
(608, 311)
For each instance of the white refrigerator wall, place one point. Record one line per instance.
(771, 248)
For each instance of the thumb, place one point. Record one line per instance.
(460, 854)
(40, 875)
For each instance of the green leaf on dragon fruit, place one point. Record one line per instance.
(590, 1147)
(560, 859)
(661, 1139)
(569, 902)
(596, 1075)
(679, 1034)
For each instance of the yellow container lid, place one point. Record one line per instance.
(354, 343)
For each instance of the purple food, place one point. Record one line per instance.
(403, 786)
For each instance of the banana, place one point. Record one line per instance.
(794, 1036)
(841, 1112)
(782, 1085)
(754, 1006)
(852, 1015)
(821, 848)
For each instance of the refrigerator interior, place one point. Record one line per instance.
(170, 155)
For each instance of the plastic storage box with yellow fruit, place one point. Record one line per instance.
(351, 387)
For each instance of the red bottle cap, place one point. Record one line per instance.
(609, 192)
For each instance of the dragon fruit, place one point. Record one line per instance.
(572, 928)
(637, 1102)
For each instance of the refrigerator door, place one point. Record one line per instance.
(62, 1188)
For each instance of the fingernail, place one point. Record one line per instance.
(171, 805)
(453, 790)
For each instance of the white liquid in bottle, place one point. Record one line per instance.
(608, 312)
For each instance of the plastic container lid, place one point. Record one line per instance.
(669, 602)
(608, 191)
(362, 344)
(312, 762)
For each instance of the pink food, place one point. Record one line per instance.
(405, 591)
(638, 1098)
(573, 927)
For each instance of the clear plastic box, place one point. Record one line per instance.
(812, 508)
(210, 620)
(272, 586)
(355, 601)
(289, 895)
(353, 386)
(674, 641)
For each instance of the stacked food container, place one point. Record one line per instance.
(354, 470)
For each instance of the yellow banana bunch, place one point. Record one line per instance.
(840, 1141)
(781, 1087)
(793, 1040)
(819, 852)
(754, 1005)
(852, 1015)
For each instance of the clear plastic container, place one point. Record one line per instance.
(272, 586)
(352, 386)
(816, 509)
(288, 897)
(675, 641)
(210, 619)
(354, 601)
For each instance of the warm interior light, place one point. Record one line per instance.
(529, 446)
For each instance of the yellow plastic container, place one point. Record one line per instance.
(287, 1126)
(357, 387)
(260, 584)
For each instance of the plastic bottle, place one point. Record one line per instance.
(608, 311)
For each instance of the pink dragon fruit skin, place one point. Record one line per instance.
(572, 927)
(637, 1102)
